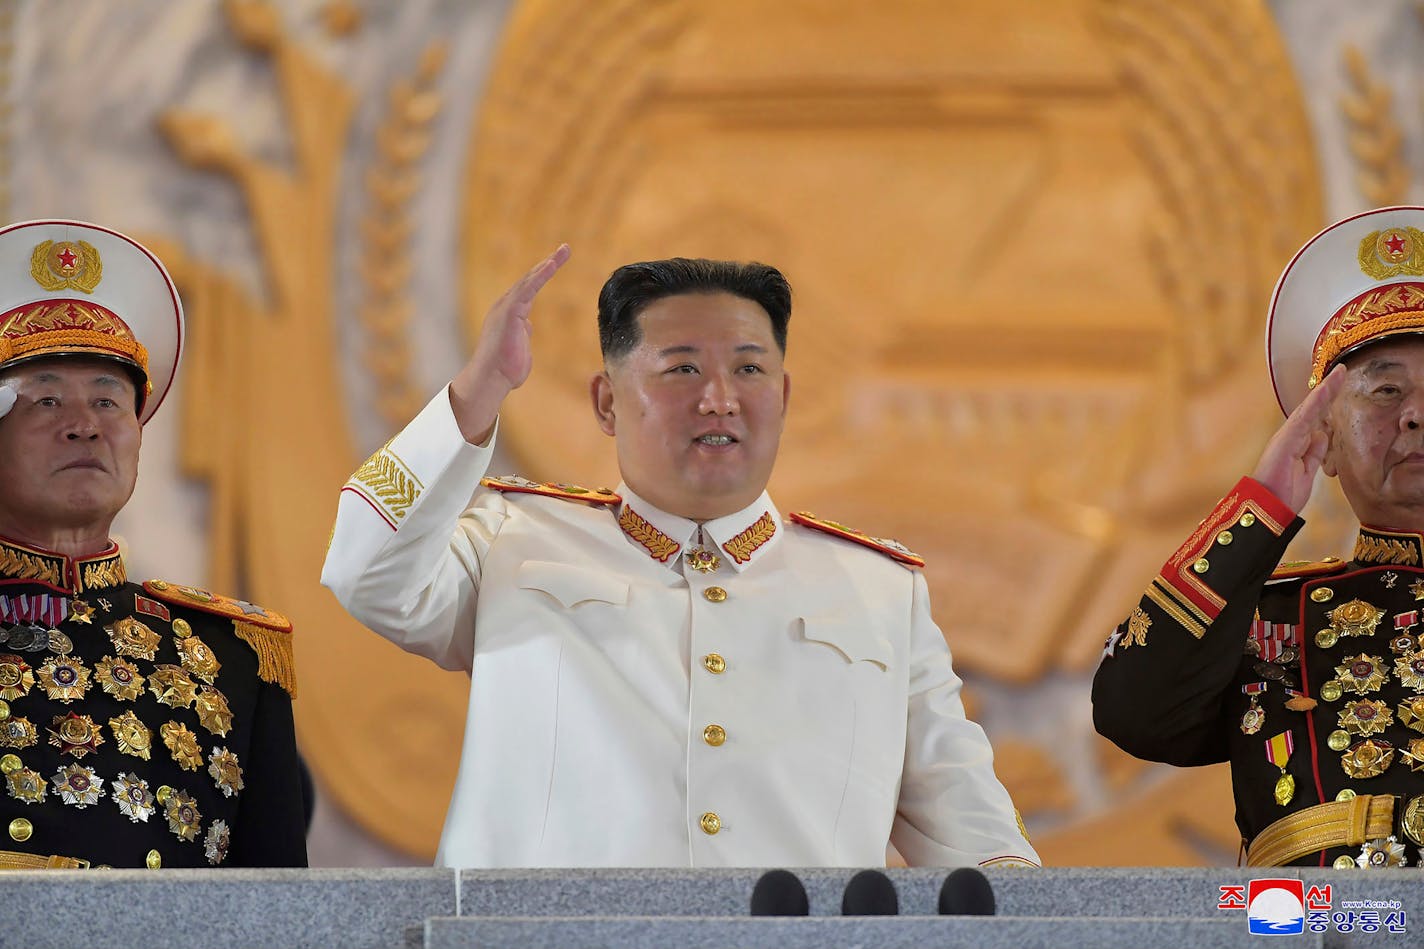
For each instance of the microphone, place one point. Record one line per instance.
(780, 893)
(966, 892)
(870, 893)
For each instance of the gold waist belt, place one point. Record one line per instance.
(13, 860)
(1337, 824)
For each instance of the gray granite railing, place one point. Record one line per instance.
(647, 909)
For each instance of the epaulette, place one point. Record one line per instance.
(1297, 569)
(891, 548)
(268, 632)
(569, 492)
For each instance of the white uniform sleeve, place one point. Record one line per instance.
(952, 809)
(405, 553)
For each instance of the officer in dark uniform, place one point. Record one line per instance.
(140, 724)
(1307, 677)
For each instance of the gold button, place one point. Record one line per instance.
(714, 663)
(4, 710)
(1343, 862)
(163, 794)
(153, 861)
(714, 735)
(1325, 638)
(10, 763)
(1247, 519)
(1339, 740)
(21, 829)
(1224, 538)
(1201, 566)
(1346, 795)
(710, 823)
(715, 594)
(1330, 690)
(1322, 594)
(181, 629)
(159, 584)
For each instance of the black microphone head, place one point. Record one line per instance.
(780, 893)
(966, 892)
(870, 893)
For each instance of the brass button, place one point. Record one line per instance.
(715, 594)
(714, 735)
(153, 861)
(1224, 538)
(163, 794)
(1346, 795)
(1339, 740)
(1330, 690)
(1247, 519)
(182, 629)
(1322, 594)
(1343, 862)
(10, 763)
(1325, 638)
(710, 823)
(714, 663)
(21, 829)
(4, 710)
(1202, 565)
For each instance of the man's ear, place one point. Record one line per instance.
(785, 393)
(600, 391)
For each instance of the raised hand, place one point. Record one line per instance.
(1294, 454)
(503, 356)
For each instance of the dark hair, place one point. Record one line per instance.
(631, 288)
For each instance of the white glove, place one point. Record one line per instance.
(7, 400)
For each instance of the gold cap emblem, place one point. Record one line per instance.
(66, 265)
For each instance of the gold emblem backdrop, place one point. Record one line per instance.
(1031, 246)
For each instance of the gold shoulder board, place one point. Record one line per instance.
(1294, 569)
(891, 548)
(569, 492)
(268, 632)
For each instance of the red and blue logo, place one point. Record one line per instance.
(1276, 907)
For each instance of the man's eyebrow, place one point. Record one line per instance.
(107, 381)
(751, 348)
(1381, 364)
(677, 350)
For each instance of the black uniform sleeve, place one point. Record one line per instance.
(1169, 668)
(271, 823)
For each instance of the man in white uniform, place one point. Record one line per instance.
(669, 674)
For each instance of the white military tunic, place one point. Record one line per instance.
(794, 707)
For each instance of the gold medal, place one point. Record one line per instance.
(182, 813)
(81, 612)
(1403, 643)
(1355, 618)
(132, 735)
(182, 745)
(1381, 853)
(64, 679)
(1362, 673)
(16, 677)
(1253, 719)
(225, 771)
(1410, 669)
(213, 711)
(196, 657)
(1368, 758)
(132, 795)
(26, 785)
(1414, 755)
(171, 686)
(702, 560)
(133, 639)
(1331, 690)
(1339, 740)
(119, 678)
(1411, 713)
(1278, 752)
(59, 643)
(1365, 717)
(78, 785)
(17, 732)
(216, 843)
(1285, 789)
(75, 734)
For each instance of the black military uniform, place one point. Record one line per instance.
(141, 725)
(1309, 679)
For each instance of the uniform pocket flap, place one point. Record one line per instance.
(855, 642)
(571, 585)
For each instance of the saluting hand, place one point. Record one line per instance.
(1294, 454)
(503, 356)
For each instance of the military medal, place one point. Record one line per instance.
(1417, 588)
(1271, 671)
(81, 612)
(1299, 701)
(702, 560)
(1355, 618)
(182, 745)
(17, 732)
(1414, 757)
(1278, 752)
(196, 657)
(132, 638)
(75, 734)
(64, 679)
(16, 677)
(182, 813)
(1381, 853)
(26, 785)
(213, 712)
(1255, 716)
(1410, 669)
(1368, 758)
(132, 735)
(59, 643)
(225, 771)
(1403, 643)
(78, 785)
(1362, 673)
(171, 686)
(119, 678)
(1389, 578)
(1365, 717)
(133, 797)
(215, 844)
(1411, 713)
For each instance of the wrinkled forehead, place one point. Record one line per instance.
(1398, 355)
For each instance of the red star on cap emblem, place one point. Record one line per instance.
(68, 258)
(1395, 242)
